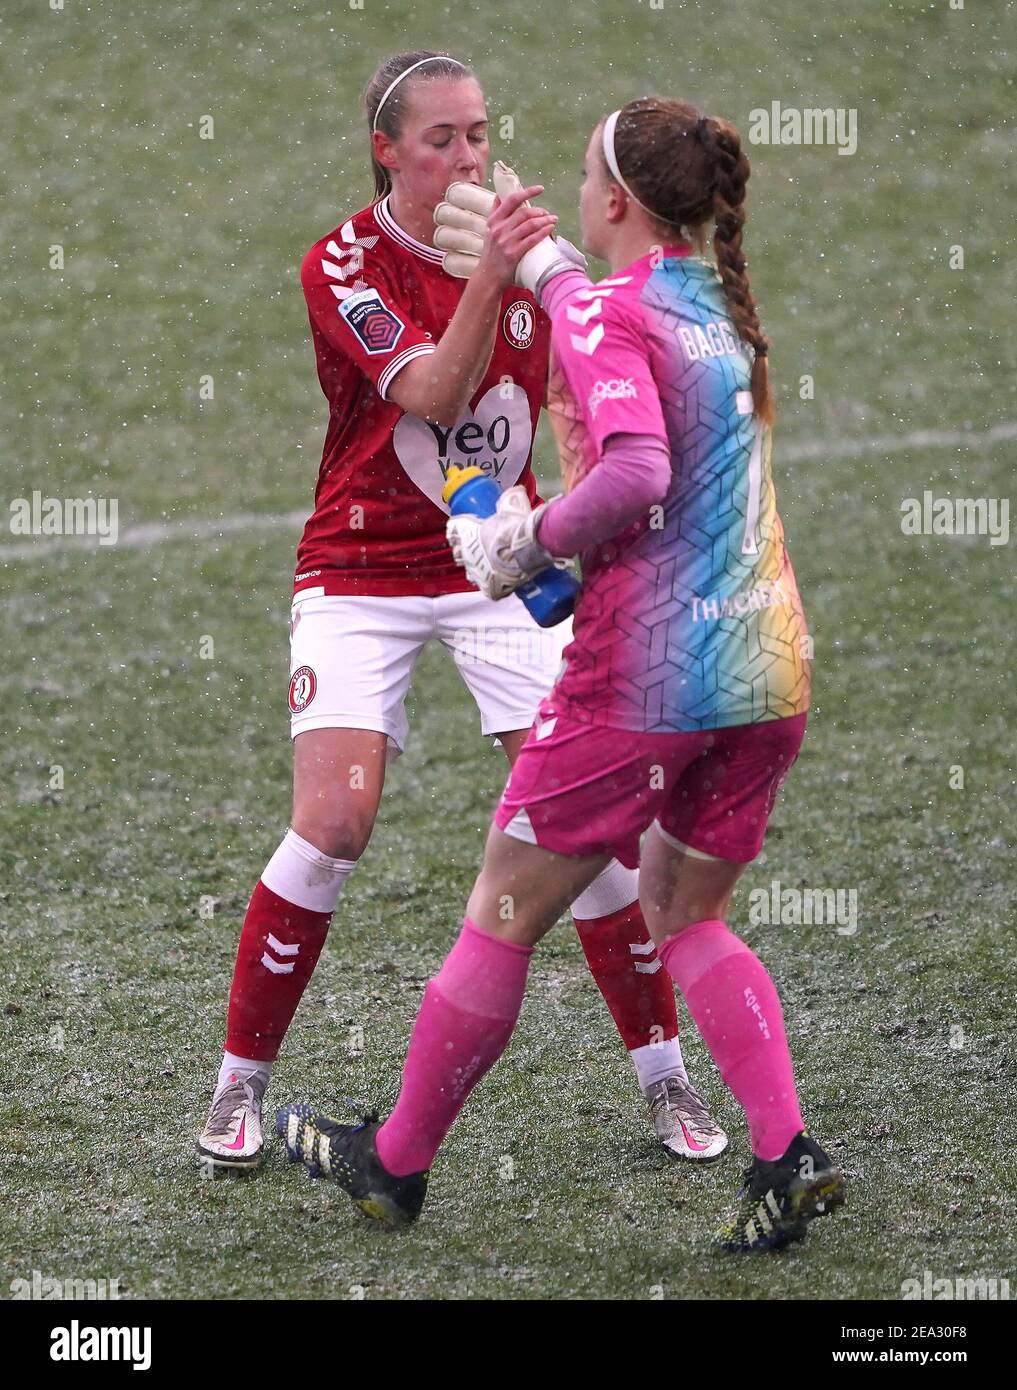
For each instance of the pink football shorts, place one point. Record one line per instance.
(583, 789)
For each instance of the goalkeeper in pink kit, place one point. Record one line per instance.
(682, 703)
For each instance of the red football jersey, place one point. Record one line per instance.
(377, 298)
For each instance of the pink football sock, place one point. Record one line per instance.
(465, 1021)
(736, 1009)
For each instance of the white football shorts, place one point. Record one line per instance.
(352, 659)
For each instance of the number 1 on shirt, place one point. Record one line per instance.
(750, 545)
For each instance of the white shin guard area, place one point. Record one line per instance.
(614, 888)
(301, 874)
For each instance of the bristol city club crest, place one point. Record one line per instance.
(518, 324)
(303, 684)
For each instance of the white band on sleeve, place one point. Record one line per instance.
(398, 363)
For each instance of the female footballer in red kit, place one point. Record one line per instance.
(421, 371)
(684, 694)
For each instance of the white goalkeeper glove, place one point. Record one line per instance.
(460, 225)
(501, 551)
(461, 221)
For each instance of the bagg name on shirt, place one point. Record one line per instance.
(708, 340)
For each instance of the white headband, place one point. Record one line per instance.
(437, 58)
(612, 161)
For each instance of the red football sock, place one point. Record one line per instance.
(279, 948)
(623, 961)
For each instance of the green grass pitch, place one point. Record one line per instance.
(181, 260)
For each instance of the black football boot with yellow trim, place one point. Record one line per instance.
(780, 1197)
(347, 1154)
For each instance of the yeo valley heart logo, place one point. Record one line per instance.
(495, 436)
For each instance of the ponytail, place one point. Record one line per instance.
(732, 173)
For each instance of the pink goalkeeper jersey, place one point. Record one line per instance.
(690, 617)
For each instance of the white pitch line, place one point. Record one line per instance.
(199, 529)
(891, 443)
(156, 532)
